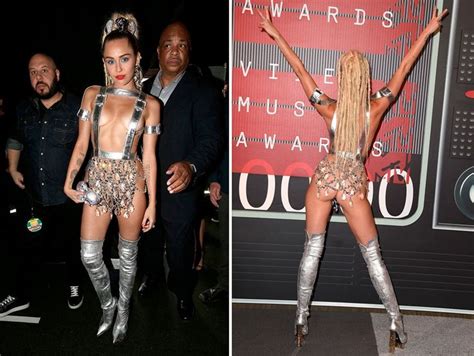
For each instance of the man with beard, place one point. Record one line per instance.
(38, 152)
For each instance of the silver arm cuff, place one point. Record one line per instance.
(383, 93)
(156, 129)
(315, 98)
(84, 114)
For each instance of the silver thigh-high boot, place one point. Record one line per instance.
(91, 256)
(383, 285)
(308, 271)
(127, 251)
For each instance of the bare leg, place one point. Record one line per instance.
(361, 222)
(93, 230)
(129, 232)
(317, 215)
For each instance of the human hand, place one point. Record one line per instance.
(435, 23)
(149, 218)
(18, 179)
(215, 193)
(266, 25)
(75, 195)
(181, 174)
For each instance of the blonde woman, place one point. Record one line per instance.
(115, 118)
(352, 122)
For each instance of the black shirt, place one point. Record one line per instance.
(48, 137)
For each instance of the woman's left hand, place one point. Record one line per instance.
(149, 219)
(266, 25)
(435, 23)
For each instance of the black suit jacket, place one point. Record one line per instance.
(190, 131)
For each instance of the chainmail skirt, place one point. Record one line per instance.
(115, 182)
(343, 174)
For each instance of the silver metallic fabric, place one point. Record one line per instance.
(84, 114)
(89, 196)
(115, 182)
(341, 174)
(115, 155)
(91, 255)
(308, 270)
(155, 129)
(127, 251)
(383, 285)
(315, 98)
(383, 93)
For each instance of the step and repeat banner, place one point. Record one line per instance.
(276, 132)
(420, 167)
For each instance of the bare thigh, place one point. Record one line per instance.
(317, 209)
(359, 217)
(93, 227)
(130, 228)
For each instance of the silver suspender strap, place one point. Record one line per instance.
(315, 98)
(132, 126)
(84, 114)
(383, 93)
(99, 104)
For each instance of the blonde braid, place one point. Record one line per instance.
(353, 102)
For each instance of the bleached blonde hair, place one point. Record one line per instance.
(353, 78)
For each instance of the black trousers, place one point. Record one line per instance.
(178, 240)
(57, 241)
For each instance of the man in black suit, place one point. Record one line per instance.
(188, 148)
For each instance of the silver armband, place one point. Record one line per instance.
(83, 114)
(315, 98)
(383, 93)
(156, 129)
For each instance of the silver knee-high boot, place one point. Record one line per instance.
(383, 285)
(91, 256)
(127, 251)
(313, 249)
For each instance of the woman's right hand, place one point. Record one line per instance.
(74, 195)
(435, 23)
(266, 25)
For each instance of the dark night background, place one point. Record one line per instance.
(73, 37)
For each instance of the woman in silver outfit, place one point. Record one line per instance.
(352, 122)
(114, 118)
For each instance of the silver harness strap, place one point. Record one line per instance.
(132, 126)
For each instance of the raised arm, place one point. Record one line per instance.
(150, 137)
(82, 144)
(384, 98)
(317, 98)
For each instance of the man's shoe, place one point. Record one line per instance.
(12, 304)
(212, 294)
(147, 285)
(75, 297)
(185, 309)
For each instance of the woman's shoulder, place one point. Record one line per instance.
(91, 92)
(152, 102)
